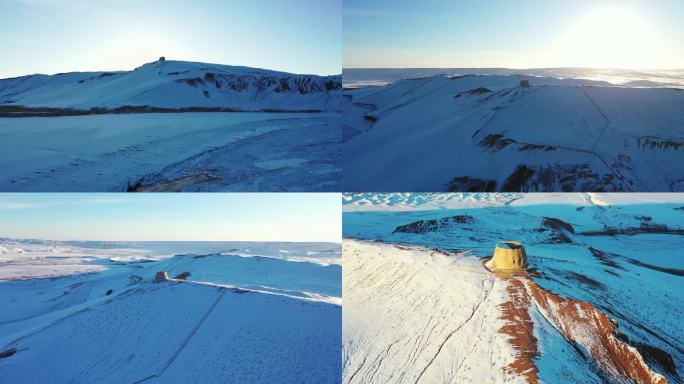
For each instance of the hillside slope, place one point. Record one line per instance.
(175, 85)
(213, 323)
(489, 133)
(614, 255)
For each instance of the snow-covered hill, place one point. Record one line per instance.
(599, 301)
(258, 318)
(494, 133)
(175, 85)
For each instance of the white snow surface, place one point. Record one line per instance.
(112, 152)
(413, 315)
(634, 278)
(424, 201)
(175, 84)
(488, 133)
(116, 325)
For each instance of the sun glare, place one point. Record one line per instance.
(610, 38)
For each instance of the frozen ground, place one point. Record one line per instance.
(244, 312)
(487, 133)
(611, 254)
(210, 151)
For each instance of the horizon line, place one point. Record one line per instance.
(527, 68)
(175, 241)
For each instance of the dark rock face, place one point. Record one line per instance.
(553, 223)
(182, 276)
(559, 238)
(566, 178)
(301, 84)
(606, 258)
(644, 227)
(517, 181)
(8, 353)
(424, 226)
(495, 142)
(559, 230)
(466, 184)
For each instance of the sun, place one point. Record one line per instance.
(610, 38)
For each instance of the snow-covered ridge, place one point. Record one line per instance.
(619, 253)
(174, 85)
(412, 201)
(409, 201)
(440, 317)
(193, 317)
(24, 259)
(487, 133)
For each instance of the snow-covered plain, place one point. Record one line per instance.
(488, 132)
(618, 253)
(171, 126)
(87, 312)
(171, 152)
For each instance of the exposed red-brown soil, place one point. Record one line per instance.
(578, 322)
(520, 327)
(581, 322)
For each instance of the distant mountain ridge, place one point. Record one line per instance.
(167, 84)
(355, 77)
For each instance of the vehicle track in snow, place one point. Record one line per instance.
(474, 311)
(437, 324)
(185, 342)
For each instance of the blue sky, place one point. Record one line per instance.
(514, 34)
(161, 216)
(52, 36)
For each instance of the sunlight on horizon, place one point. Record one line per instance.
(51, 36)
(612, 37)
(169, 216)
(601, 34)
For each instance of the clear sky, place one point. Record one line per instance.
(52, 36)
(631, 34)
(177, 217)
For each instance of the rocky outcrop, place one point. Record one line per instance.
(508, 256)
(559, 230)
(161, 276)
(300, 84)
(518, 324)
(182, 276)
(468, 184)
(579, 322)
(644, 227)
(424, 226)
(558, 224)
